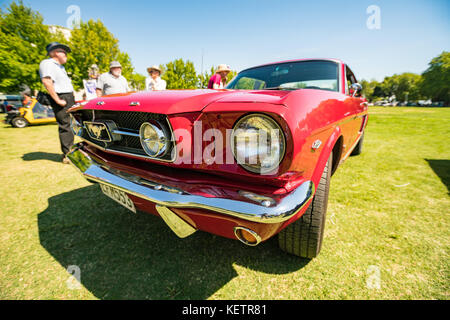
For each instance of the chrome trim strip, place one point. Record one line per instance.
(289, 206)
(351, 149)
(125, 133)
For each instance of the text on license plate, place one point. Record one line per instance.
(118, 196)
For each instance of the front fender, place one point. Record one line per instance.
(325, 154)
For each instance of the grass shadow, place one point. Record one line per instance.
(33, 156)
(123, 255)
(442, 170)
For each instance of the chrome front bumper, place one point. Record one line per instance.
(265, 212)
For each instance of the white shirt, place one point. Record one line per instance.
(109, 84)
(158, 84)
(50, 68)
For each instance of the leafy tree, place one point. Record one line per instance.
(408, 87)
(23, 38)
(378, 92)
(137, 81)
(204, 78)
(180, 75)
(231, 75)
(369, 89)
(436, 79)
(404, 86)
(92, 43)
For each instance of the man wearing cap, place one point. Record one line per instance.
(154, 82)
(219, 80)
(112, 82)
(60, 89)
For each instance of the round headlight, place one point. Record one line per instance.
(154, 139)
(77, 128)
(258, 143)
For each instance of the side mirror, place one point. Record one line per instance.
(355, 90)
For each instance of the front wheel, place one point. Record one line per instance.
(19, 122)
(303, 237)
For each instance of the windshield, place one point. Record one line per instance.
(315, 74)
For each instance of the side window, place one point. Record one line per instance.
(350, 79)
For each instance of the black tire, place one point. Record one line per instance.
(19, 122)
(304, 237)
(358, 149)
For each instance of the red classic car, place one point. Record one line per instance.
(246, 162)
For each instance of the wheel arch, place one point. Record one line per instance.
(334, 144)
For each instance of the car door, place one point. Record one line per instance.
(356, 106)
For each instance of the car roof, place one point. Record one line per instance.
(297, 60)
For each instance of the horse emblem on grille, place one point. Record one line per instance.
(98, 131)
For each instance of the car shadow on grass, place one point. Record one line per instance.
(442, 170)
(33, 156)
(122, 255)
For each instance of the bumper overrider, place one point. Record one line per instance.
(165, 198)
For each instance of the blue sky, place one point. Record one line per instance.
(250, 32)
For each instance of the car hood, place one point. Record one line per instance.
(179, 101)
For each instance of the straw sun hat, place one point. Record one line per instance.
(154, 68)
(223, 67)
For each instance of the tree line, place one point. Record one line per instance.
(24, 36)
(433, 83)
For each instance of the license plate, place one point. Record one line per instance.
(118, 196)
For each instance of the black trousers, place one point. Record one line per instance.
(62, 117)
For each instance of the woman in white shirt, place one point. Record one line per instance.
(154, 82)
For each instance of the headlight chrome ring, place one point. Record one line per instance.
(258, 143)
(154, 138)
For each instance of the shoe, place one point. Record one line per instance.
(65, 160)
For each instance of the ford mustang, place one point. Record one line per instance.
(248, 162)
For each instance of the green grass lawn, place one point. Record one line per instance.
(388, 215)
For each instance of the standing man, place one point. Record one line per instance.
(154, 82)
(112, 82)
(60, 89)
(219, 80)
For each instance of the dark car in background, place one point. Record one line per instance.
(12, 101)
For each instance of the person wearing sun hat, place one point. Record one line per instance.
(59, 91)
(154, 81)
(219, 79)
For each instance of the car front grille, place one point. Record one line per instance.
(127, 122)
